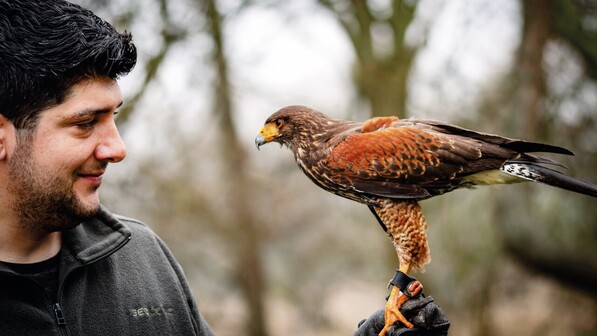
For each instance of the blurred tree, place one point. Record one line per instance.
(170, 33)
(576, 23)
(537, 112)
(383, 59)
(246, 236)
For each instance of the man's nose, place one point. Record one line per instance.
(111, 147)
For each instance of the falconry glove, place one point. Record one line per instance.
(427, 317)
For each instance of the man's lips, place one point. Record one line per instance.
(93, 178)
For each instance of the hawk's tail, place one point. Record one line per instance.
(537, 173)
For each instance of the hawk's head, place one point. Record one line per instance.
(288, 124)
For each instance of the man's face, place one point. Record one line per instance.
(57, 168)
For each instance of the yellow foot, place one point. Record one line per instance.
(392, 311)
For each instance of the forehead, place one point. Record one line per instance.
(96, 94)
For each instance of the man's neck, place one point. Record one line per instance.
(22, 244)
(24, 247)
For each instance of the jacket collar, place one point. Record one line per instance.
(90, 241)
(96, 238)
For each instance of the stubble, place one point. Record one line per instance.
(43, 201)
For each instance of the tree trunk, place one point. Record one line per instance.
(246, 235)
(533, 244)
(382, 67)
(531, 77)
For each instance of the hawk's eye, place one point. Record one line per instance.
(279, 123)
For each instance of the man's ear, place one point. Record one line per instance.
(5, 127)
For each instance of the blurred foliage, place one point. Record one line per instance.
(261, 245)
(561, 246)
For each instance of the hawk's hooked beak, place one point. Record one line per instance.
(269, 132)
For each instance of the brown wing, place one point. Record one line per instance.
(407, 161)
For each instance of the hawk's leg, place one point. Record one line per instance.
(405, 224)
(397, 298)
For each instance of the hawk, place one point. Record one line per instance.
(390, 164)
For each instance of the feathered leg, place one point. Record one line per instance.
(406, 226)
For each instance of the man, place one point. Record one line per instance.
(67, 265)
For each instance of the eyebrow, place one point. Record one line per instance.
(92, 111)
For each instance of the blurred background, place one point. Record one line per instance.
(266, 251)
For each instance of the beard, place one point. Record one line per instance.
(44, 202)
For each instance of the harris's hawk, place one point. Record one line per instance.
(390, 164)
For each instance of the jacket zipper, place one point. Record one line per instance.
(60, 320)
(58, 314)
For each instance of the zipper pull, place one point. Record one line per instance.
(59, 316)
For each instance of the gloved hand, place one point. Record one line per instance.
(427, 317)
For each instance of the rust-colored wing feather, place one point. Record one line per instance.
(403, 161)
(417, 159)
(386, 162)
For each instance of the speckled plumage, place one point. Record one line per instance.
(390, 164)
(406, 226)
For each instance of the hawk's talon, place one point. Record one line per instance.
(392, 312)
(404, 287)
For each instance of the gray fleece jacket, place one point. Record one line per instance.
(116, 278)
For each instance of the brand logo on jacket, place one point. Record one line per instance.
(151, 311)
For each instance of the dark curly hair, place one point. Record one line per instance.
(46, 47)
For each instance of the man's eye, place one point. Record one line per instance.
(85, 125)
